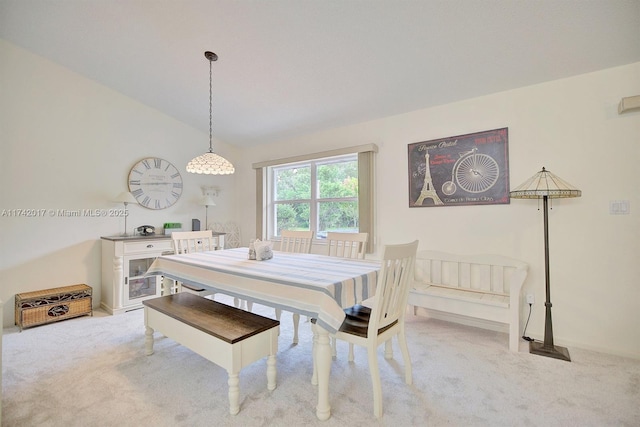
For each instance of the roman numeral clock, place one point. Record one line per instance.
(155, 183)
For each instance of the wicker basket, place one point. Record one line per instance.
(52, 305)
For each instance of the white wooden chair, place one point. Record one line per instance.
(296, 241)
(371, 326)
(185, 242)
(217, 226)
(232, 238)
(299, 242)
(347, 245)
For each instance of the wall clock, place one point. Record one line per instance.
(155, 183)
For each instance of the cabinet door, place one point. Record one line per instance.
(137, 288)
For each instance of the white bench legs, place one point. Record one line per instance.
(229, 337)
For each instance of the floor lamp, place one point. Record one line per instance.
(207, 201)
(545, 185)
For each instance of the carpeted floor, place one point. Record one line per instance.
(92, 371)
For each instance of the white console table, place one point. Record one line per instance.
(125, 260)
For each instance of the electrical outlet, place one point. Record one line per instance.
(531, 299)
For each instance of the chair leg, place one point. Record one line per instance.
(296, 322)
(408, 370)
(314, 376)
(278, 314)
(388, 349)
(167, 286)
(242, 304)
(375, 380)
(351, 356)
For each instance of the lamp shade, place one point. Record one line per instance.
(544, 183)
(210, 164)
(125, 197)
(207, 201)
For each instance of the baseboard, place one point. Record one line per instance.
(501, 327)
(463, 320)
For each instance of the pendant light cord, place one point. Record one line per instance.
(210, 108)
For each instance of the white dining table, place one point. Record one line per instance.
(317, 286)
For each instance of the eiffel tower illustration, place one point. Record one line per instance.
(428, 192)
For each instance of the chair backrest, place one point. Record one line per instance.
(185, 242)
(296, 241)
(347, 245)
(392, 288)
(232, 238)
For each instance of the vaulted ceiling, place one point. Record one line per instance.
(288, 67)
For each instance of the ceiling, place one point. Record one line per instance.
(289, 67)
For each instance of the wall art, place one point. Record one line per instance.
(461, 170)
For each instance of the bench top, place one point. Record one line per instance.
(222, 321)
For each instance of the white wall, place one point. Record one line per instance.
(571, 127)
(69, 143)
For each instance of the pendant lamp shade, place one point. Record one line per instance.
(210, 163)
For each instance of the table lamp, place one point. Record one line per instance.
(207, 201)
(125, 197)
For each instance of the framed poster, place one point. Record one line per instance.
(470, 169)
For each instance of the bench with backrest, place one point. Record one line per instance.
(485, 287)
(227, 336)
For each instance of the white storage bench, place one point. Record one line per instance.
(478, 286)
(227, 336)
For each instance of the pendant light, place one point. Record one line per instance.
(210, 163)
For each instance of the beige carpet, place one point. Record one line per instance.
(92, 371)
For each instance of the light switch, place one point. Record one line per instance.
(619, 207)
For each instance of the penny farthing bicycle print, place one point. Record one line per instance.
(467, 169)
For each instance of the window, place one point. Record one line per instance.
(330, 191)
(319, 195)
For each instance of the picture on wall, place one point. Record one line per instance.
(461, 170)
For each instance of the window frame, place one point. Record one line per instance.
(314, 199)
(366, 192)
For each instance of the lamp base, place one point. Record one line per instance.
(555, 351)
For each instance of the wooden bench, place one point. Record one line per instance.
(484, 287)
(229, 337)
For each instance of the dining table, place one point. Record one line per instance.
(313, 285)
